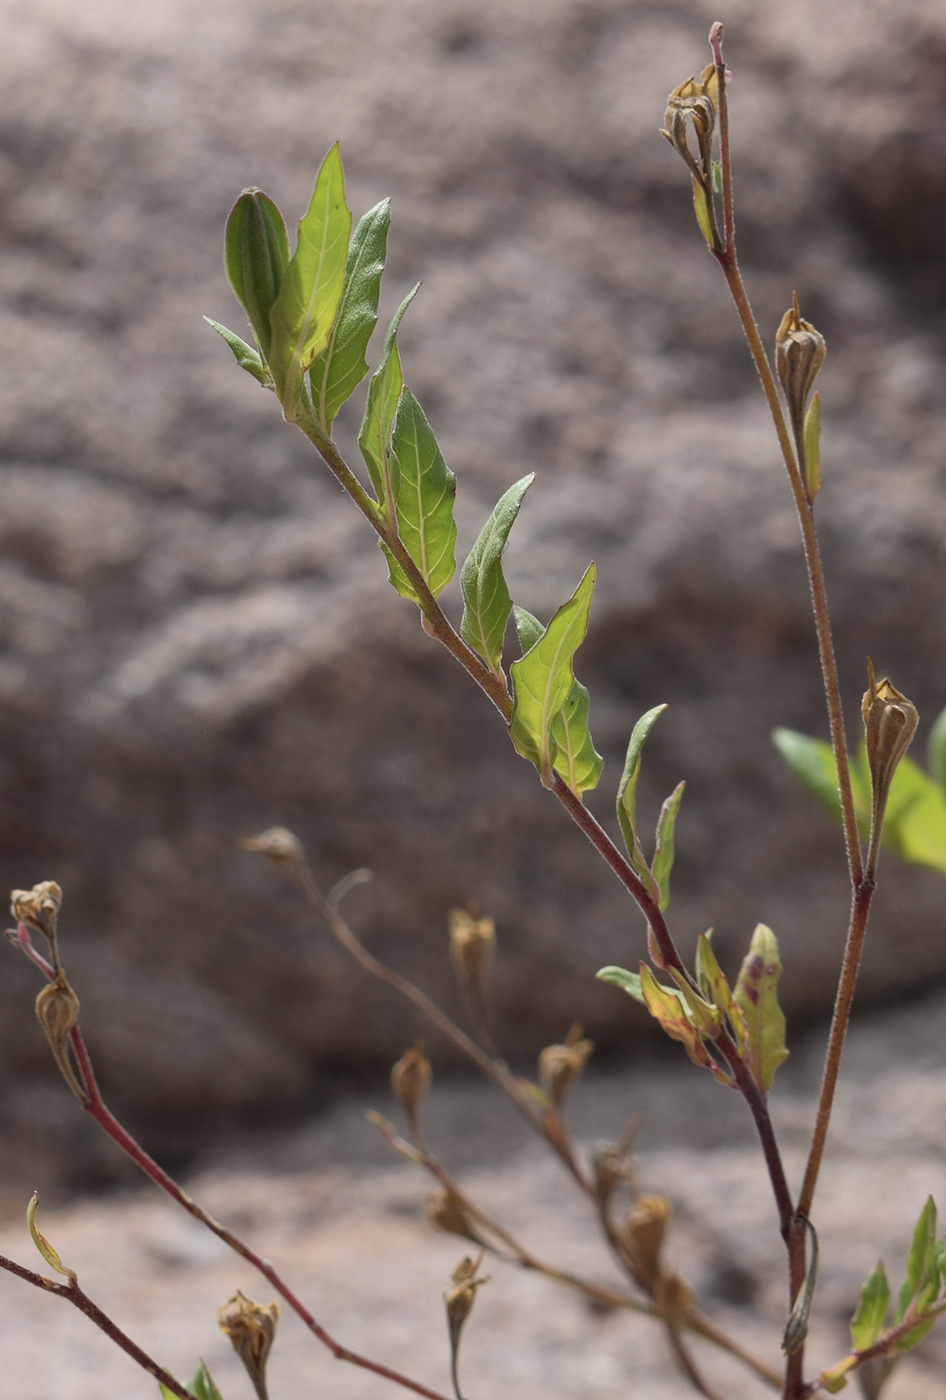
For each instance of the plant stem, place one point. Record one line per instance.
(98, 1111)
(74, 1295)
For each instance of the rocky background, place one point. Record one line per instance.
(196, 636)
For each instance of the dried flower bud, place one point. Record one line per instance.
(251, 1328)
(560, 1065)
(278, 845)
(799, 355)
(890, 722)
(695, 102)
(57, 1010)
(410, 1080)
(472, 945)
(447, 1212)
(672, 1298)
(643, 1233)
(38, 908)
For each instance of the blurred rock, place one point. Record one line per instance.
(197, 637)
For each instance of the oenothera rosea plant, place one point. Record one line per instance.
(312, 310)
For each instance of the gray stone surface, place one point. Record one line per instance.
(197, 637)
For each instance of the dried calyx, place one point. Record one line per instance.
(890, 722)
(251, 1328)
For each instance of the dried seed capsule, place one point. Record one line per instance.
(644, 1231)
(447, 1212)
(251, 1328)
(472, 945)
(890, 722)
(38, 908)
(560, 1065)
(799, 355)
(57, 1010)
(694, 101)
(410, 1080)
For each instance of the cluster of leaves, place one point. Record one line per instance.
(201, 1386)
(915, 819)
(312, 312)
(876, 1339)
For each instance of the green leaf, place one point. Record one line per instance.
(715, 988)
(915, 820)
(576, 759)
(42, 1243)
(701, 207)
(245, 356)
(937, 750)
(529, 629)
(811, 760)
(542, 679)
(919, 1260)
(384, 392)
(629, 982)
(256, 252)
(312, 285)
(668, 1006)
(627, 795)
(342, 366)
(868, 1322)
(424, 505)
(811, 442)
(202, 1385)
(663, 853)
(757, 998)
(486, 600)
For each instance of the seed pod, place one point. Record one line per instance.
(643, 1232)
(446, 1211)
(256, 253)
(694, 101)
(472, 945)
(410, 1080)
(38, 908)
(799, 355)
(890, 722)
(251, 1328)
(560, 1065)
(459, 1301)
(57, 1010)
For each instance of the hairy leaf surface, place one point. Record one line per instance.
(486, 600)
(424, 505)
(757, 998)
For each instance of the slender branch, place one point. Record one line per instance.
(73, 1294)
(99, 1112)
(839, 1022)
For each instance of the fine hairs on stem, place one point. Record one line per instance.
(312, 312)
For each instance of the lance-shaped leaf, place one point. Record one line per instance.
(629, 982)
(246, 357)
(627, 795)
(663, 852)
(424, 505)
(542, 679)
(341, 367)
(312, 285)
(715, 988)
(811, 442)
(868, 1322)
(384, 392)
(919, 1261)
(937, 750)
(257, 255)
(667, 1006)
(915, 820)
(757, 998)
(486, 600)
(201, 1386)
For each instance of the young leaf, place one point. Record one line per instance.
(627, 794)
(424, 505)
(312, 285)
(576, 759)
(668, 1007)
(529, 629)
(915, 821)
(868, 1322)
(202, 1385)
(341, 367)
(663, 853)
(486, 600)
(256, 251)
(715, 989)
(246, 357)
(384, 392)
(757, 999)
(629, 982)
(542, 679)
(919, 1260)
